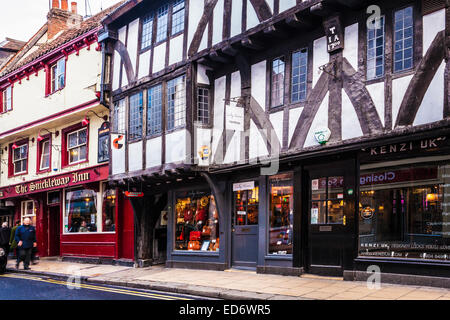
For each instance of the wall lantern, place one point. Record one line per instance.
(85, 121)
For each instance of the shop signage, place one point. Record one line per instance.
(131, 194)
(334, 34)
(244, 186)
(56, 182)
(204, 152)
(235, 118)
(415, 146)
(117, 141)
(322, 135)
(367, 213)
(395, 176)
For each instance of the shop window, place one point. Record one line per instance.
(404, 212)
(375, 49)
(403, 39)
(176, 103)
(154, 110)
(277, 82)
(299, 75)
(20, 159)
(53, 198)
(109, 209)
(246, 207)
(28, 210)
(136, 112)
(178, 17)
(58, 75)
(6, 99)
(80, 211)
(197, 222)
(281, 214)
(77, 146)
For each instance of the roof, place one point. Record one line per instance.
(68, 35)
(12, 44)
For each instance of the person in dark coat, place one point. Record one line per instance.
(12, 240)
(26, 241)
(5, 233)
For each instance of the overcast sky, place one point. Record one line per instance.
(21, 19)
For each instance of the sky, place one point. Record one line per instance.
(21, 19)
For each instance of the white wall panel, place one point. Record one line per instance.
(257, 147)
(320, 57)
(351, 127)
(159, 58)
(320, 121)
(132, 42)
(294, 115)
(399, 87)
(351, 45)
(432, 24)
(123, 39)
(176, 146)
(259, 83)
(376, 91)
(176, 50)
(194, 17)
(277, 122)
(252, 18)
(202, 78)
(218, 22)
(287, 4)
(219, 112)
(135, 156)
(153, 152)
(144, 64)
(236, 17)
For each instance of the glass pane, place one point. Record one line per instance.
(318, 212)
(73, 139)
(240, 207)
(252, 207)
(197, 222)
(82, 136)
(80, 211)
(109, 210)
(281, 214)
(336, 212)
(319, 189)
(336, 187)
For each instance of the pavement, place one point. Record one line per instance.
(230, 284)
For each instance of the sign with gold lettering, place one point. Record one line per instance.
(56, 182)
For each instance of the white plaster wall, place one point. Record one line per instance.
(194, 17)
(257, 147)
(351, 45)
(153, 152)
(259, 83)
(123, 39)
(320, 121)
(118, 160)
(252, 18)
(218, 22)
(132, 42)
(30, 103)
(277, 122)
(432, 107)
(144, 64)
(235, 90)
(176, 146)
(233, 152)
(159, 58)
(432, 24)
(135, 152)
(203, 138)
(201, 75)
(376, 91)
(116, 71)
(236, 17)
(219, 112)
(176, 50)
(271, 5)
(294, 115)
(351, 127)
(286, 4)
(399, 87)
(320, 57)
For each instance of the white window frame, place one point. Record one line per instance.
(44, 154)
(7, 99)
(78, 146)
(23, 208)
(57, 71)
(14, 160)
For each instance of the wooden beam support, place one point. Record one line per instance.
(252, 44)
(216, 57)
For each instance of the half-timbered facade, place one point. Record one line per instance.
(314, 133)
(54, 138)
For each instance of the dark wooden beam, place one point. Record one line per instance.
(228, 49)
(252, 44)
(217, 57)
(276, 32)
(294, 21)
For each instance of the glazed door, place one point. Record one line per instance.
(54, 228)
(330, 219)
(245, 227)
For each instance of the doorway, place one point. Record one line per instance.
(54, 227)
(244, 225)
(330, 218)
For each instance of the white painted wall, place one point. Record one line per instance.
(159, 58)
(399, 87)
(351, 45)
(176, 146)
(123, 39)
(176, 50)
(376, 91)
(236, 17)
(294, 115)
(277, 122)
(218, 22)
(257, 147)
(287, 4)
(252, 18)
(320, 57)
(432, 24)
(349, 119)
(153, 152)
(135, 152)
(259, 83)
(144, 64)
(132, 42)
(320, 121)
(219, 112)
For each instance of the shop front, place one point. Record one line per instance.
(76, 215)
(404, 218)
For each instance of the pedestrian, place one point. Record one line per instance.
(26, 241)
(5, 233)
(12, 241)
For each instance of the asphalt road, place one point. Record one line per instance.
(15, 286)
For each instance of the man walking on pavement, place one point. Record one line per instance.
(26, 240)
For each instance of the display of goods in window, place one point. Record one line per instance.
(194, 245)
(195, 235)
(200, 215)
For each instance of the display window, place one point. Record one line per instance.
(404, 212)
(327, 200)
(281, 214)
(197, 222)
(246, 205)
(90, 211)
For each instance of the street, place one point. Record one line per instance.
(28, 287)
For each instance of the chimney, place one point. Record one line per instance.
(60, 19)
(64, 5)
(74, 7)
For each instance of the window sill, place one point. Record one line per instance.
(52, 93)
(18, 174)
(74, 164)
(278, 257)
(44, 171)
(195, 253)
